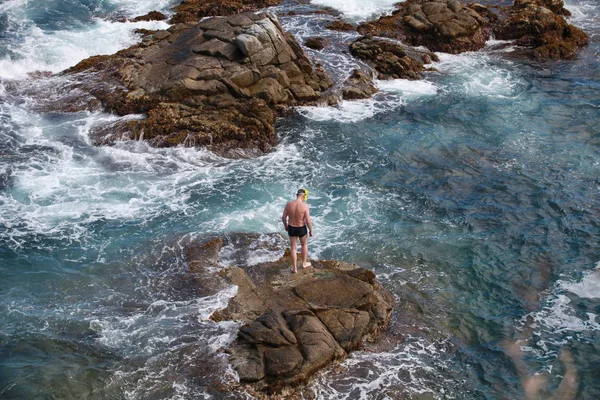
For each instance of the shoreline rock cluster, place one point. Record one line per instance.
(220, 82)
(451, 27)
(294, 324)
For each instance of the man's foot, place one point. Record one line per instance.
(306, 265)
(294, 270)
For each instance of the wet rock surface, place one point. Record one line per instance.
(390, 59)
(294, 324)
(453, 27)
(540, 26)
(218, 83)
(316, 43)
(193, 10)
(446, 26)
(359, 85)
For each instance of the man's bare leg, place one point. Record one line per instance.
(294, 251)
(304, 243)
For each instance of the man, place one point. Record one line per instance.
(297, 223)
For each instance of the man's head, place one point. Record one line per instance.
(303, 193)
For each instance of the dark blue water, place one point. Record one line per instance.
(472, 194)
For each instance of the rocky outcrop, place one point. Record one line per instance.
(359, 85)
(540, 26)
(151, 16)
(217, 83)
(390, 59)
(446, 26)
(451, 27)
(316, 43)
(294, 324)
(340, 26)
(194, 10)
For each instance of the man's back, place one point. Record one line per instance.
(297, 211)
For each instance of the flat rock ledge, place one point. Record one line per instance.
(294, 324)
(218, 83)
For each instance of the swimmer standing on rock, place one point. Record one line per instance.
(297, 223)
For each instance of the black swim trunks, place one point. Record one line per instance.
(297, 231)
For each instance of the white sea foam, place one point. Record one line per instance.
(346, 111)
(588, 287)
(408, 88)
(359, 10)
(56, 51)
(584, 14)
(134, 8)
(406, 371)
(266, 248)
(478, 75)
(351, 111)
(155, 328)
(560, 320)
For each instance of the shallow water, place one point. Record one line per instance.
(473, 194)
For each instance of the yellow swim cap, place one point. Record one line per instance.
(304, 192)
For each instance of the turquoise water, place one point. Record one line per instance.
(472, 194)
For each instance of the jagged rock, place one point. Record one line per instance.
(295, 324)
(446, 26)
(151, 16)
(358, 86)
(193, 10)
(539, 25)
(340, 26)
(451, 27)
(316, 43)
(217, 83)
(390, 59)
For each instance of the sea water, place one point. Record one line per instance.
(473, 194)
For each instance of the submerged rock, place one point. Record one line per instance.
(217, 83)
(294, 324)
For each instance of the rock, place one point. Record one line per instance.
(446, 26)
(340, 26)
(316, 43)
(217, 84)
(193, 10)
(151, 16)
(390, 59)
(358, 86)
(294, 324)
(540, 26)
(452, 27)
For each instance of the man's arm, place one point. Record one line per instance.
(284, 217)
(308, 220)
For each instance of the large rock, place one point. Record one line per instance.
(390, 59)
(193, 10)
(540, 26)
(446, 26)
(359, 85)
(217, 83)
(452, 27)
(294, 324)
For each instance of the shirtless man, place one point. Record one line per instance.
(297, 223)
